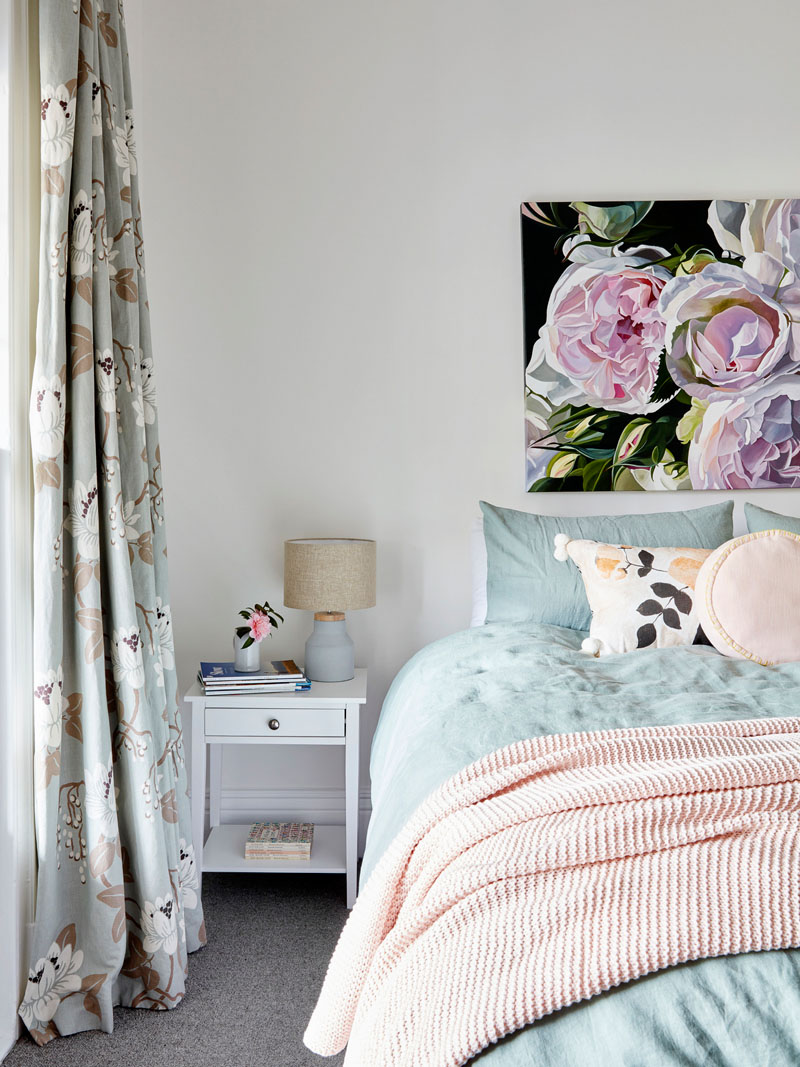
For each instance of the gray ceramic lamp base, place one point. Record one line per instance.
(330, 656)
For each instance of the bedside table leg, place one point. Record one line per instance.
(215, 784)
(351, 789)
(198, 784)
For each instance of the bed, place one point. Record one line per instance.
(481, 689)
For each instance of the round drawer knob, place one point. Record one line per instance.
(274, 724)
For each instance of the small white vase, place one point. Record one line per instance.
(245, 660)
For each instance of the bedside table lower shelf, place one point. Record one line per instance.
(224, 851)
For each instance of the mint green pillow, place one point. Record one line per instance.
(760, 519)
(526, 583)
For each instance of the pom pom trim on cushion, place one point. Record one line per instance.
(561, 540)
(592, 646)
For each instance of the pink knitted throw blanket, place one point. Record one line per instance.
(556, 868)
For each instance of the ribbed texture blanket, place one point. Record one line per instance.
(557, 868)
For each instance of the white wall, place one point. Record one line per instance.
(331, 199)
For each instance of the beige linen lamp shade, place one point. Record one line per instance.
(329, 574)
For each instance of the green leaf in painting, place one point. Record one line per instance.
(550, 485)
(593, 472)
(691, 421)
(665, 386)
(536, 213)
(554, 208)
(631, 440)
(561, 464)
(611, 222)
(694, 260)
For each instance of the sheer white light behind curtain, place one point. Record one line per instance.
(18, 242)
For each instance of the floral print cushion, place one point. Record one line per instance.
(639, 597)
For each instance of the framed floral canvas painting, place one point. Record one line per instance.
(662, 344)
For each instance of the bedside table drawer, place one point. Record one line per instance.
(275, 722)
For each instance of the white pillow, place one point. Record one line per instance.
(479, 573)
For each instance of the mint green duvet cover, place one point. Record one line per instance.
(478, 690)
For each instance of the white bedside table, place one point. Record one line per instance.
(326, 714)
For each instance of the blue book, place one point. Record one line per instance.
(224, 674)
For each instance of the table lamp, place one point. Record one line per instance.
(329, 576)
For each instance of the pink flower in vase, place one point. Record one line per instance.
(260, 626)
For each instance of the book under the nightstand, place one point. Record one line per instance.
(279, 841)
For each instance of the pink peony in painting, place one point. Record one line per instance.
(662, 344)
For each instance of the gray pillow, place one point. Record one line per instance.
(760, 519)
(526, 583)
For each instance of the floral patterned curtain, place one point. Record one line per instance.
(118, 904)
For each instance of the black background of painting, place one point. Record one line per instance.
(687, 222)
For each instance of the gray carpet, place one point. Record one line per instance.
(251, 989)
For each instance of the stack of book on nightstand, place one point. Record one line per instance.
(279, 841)
(281, 676)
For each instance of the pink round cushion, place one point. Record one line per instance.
(747, 597)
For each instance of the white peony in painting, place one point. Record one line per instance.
(662, 344)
